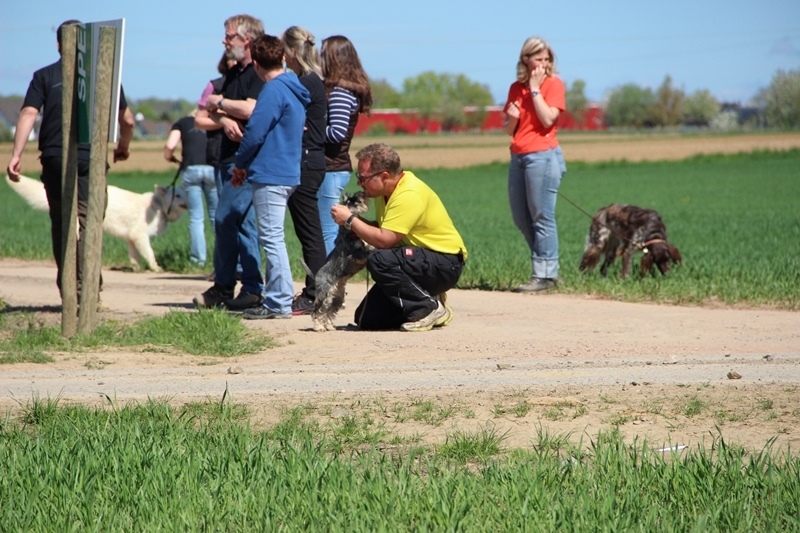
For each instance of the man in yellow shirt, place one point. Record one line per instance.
(419, 253)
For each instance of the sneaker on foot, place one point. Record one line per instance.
(261, 312)
(245, 300)
(426, 323)
(448, 312)
(302, 305)
(216, 296)
(537, 285)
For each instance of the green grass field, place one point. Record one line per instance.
(201, 468)
(734, 219)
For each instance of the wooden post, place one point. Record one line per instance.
(92, 258)
(69, 183)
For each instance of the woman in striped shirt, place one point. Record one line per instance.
(349, 94)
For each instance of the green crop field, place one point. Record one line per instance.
(733, 217)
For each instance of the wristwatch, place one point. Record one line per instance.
(534, 93)
(348, 222)
(219, 105)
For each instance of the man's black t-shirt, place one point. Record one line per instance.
(44, 94)
(193, 142)
(240, 84)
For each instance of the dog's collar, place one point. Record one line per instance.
(648, 243)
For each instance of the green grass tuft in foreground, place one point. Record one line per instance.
(152, 466)
(205, 333)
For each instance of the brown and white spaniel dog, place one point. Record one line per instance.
(623, 230)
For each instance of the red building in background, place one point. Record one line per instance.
(407, 121)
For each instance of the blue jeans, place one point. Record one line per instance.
(236, 236)
(330, 194)
(198, 181)
(269, 202)
(533, 181)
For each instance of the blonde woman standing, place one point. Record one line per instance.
(534, 103)
(302, 57)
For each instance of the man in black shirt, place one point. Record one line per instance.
(236, 235)
(44, 94)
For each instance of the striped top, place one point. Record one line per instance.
(342, 104)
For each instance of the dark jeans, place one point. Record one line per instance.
(236, 236)
(305, 216)
(51, 178)
(407, 282)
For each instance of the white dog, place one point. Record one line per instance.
(130, 216)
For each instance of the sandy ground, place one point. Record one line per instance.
(517, 364)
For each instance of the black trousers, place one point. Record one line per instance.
(305, 216)
(51, 178)
(407, 283)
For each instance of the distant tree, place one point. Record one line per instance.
(146, 109)
(577, 103)
(700, 108)
(629, 106)
(444, 96)
(781, 99)
(667, 107)
(384, 96)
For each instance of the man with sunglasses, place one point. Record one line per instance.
(235, 232)
(419, 253)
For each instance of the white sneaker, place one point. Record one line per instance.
(426, 323)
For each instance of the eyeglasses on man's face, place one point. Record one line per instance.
(231, 36)
(362, 179)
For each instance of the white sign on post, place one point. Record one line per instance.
(88, 48)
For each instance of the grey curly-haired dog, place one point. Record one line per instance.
(348, 257)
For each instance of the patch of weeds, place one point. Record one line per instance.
(349, 432)
(764, 404)
(694, 406)
(604, 398)
(549, 443)
(654, 408)
(428, 412)
(521, 409)
(469, 413)
(618, 419)
(38, 411)
(553, 413)
(579, 412)
(466, 447)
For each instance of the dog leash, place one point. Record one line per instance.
(172, 185)
(642, 247)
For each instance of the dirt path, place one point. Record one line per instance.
(514, 362)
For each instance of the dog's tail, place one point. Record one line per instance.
(31, 190)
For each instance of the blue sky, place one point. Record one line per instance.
(730, 47)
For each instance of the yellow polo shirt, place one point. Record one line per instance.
(416, 211)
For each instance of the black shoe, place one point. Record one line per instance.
(302, 305)
(245, 300)
(216, 297)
